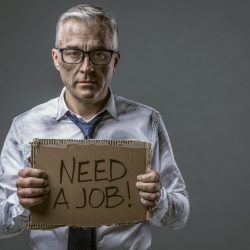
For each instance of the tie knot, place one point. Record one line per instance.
(87, 128)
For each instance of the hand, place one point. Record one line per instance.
(149, 186)
(32, 187)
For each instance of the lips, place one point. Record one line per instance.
(87, 82)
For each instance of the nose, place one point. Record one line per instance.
(86, 65)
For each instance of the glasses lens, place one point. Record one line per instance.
(72, 55)
(100, 57)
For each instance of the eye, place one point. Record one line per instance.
(100, 55)
(72, 53)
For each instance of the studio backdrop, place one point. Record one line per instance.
(187, 59)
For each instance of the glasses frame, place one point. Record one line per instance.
(87, 53)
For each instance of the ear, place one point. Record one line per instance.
(116, 60)
(55, 56)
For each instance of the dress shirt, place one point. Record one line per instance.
(123, 119)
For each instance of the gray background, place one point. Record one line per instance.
(189, 60)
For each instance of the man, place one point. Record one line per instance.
(86, 56)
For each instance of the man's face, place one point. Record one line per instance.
(85, 83)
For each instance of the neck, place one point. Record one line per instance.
(86, 109)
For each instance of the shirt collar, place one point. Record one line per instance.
(110, 106)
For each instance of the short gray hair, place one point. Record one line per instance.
(91, 15)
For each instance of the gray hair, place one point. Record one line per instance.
(91, 15)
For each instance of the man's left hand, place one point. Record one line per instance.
(149, 187)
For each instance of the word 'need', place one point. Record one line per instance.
(96, 170)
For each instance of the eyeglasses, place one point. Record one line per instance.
(97, 57)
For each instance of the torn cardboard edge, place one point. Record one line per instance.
(50, 227)
(64, 143)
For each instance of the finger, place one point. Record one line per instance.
(152, 176)
(31, 182)
(147, 204)
(32, 192)
(32, 172)
(148, 187)
(150, 196)
(30, 202)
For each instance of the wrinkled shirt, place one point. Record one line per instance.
(123, 119)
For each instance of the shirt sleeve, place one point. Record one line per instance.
(172, 209)
(13, 217)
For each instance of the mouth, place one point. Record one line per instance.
(86, 82)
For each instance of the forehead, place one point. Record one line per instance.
(80, 34)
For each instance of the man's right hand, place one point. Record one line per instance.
(32, 187)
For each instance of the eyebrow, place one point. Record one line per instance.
(71, 47)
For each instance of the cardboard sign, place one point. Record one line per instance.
(92, 183)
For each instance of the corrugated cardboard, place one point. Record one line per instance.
(92, 182)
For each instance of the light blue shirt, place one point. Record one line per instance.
(124, 119)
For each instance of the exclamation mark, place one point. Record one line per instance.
(128, 193)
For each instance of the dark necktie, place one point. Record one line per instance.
(83, 238)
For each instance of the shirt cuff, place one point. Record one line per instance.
(18, 209)
(161, 208)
